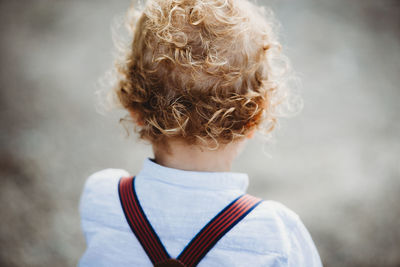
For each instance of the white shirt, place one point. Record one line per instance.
(178, 204)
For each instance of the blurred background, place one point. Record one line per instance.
(337, 164)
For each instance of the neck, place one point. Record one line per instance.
(196, 158)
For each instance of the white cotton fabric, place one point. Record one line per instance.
(178, 204)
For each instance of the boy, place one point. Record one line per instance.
(199, 78)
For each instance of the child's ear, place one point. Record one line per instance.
(136, 118)
(250, 134)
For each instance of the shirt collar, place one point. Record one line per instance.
(204, 180)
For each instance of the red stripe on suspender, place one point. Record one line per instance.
(141, 227)
(156, 242)
(192, 246)
(128, 205)
(144, 235)
(212, 232)
(154, 246)
(188, 251)
(218, 229)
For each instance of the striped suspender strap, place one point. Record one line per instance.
(139, 223)
(217, 228)
(200, 245)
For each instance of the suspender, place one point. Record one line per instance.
(139, 223)
(199, 246)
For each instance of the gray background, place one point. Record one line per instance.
(336, 164)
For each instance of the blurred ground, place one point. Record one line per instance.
(337, 164)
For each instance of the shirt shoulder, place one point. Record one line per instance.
(296, 242)
(274, 222)
(284, 215)
(99, 201)
(103, 176)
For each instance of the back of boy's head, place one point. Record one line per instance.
(201, 71)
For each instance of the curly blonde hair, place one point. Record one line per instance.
(201, 71)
